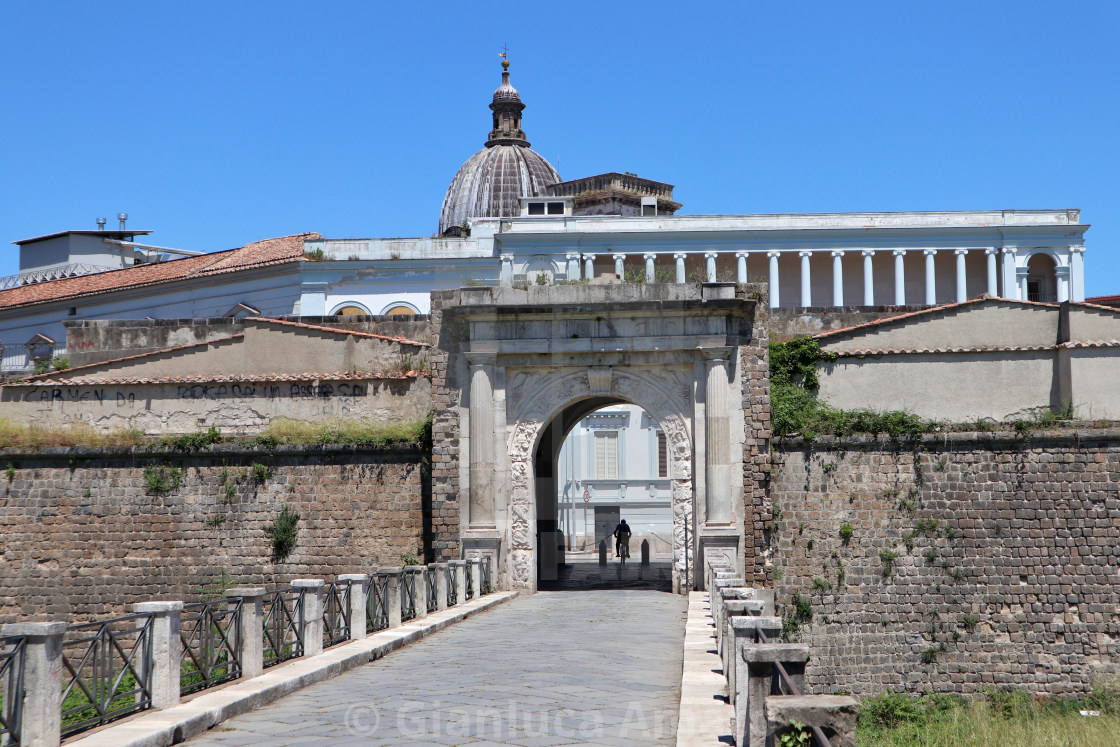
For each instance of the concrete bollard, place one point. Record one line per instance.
(312, 589)
(476, 577)
(755, 684)
(734, 608)
(252, 627)
(440, 571)
(357, 583)
(393, 596)
(645, 552)
(41, 722)
(460, 569)
(419, 575)
(835, 715)
(602, 552)
(165, 650)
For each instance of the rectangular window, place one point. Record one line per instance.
(555, 208)
(662, 455)
(536, 208)
(606, 455)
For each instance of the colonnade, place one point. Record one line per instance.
(1006, 272)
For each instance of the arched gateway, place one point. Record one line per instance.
(513, 367)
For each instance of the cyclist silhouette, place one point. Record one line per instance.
(622, 540)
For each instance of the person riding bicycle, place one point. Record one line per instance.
(622, 540)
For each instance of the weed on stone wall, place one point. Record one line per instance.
(193, 441)
(160, 479)
(283, 533)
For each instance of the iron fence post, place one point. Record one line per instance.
(357, 582)
(476, 577)
(460, 569)
(419, 588)
(312, 622)
(40, 714)
(163, 662)
(252, 628)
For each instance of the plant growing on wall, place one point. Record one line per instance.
(283, 533)
(160, 479)
(260, 473)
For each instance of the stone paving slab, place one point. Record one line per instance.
(555, 668)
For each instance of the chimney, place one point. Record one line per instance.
(100, 224)
(122, 217)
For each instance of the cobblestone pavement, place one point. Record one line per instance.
(555, 668)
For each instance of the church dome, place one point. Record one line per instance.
(489, 184)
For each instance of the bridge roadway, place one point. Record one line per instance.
(596, 667)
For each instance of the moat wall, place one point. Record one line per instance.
(83, 536)
(1019, 580)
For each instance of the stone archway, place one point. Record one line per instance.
(508, 362)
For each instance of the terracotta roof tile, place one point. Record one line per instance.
(926, 351)
(257, 254)
(931, 310)
(1073, 344)
(220, 379)
(336, 330)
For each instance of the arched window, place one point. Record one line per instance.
(1042, 283)
(400, 308)
(350, 308)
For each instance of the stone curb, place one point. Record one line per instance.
(186, 720)
(705, 712)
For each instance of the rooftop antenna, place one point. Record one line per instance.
(122, 217)
(100, 224)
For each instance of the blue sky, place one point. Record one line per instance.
(215, 124)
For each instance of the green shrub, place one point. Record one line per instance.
(162, 478)
(260, 473)
(887, 557)
(801, 613)
(846, 531)
(888, 710)
(283, 533)
(194, 441)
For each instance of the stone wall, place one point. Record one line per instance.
(754, 361)
(787, 323)
(82, 535)
(446, 385)
(1007, 560)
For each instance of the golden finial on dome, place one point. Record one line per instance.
(502, 54)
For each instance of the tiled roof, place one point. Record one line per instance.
(1097, 306)
(926, 351)
(218, 379)
(932, 310)
(257, 254)
(1072, 344)
(137, 356)
(336, 330)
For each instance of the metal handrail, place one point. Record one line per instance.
(470, 580)
(484, 576)
(336, 612)
(785, 682)
(210, 636)
(111, 676)
(452, 587)
(433, 590)
(408, 595)
(377, 592)
(283, 626)
(13, 651)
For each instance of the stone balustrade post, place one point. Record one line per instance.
(743, 633)
(754, 685)
(735, 600)
(357, 583)
(835, 715)
(393, 597)
(440, 571)
(166, 650)
(711, 566)
(476, 577)
(460, 569)
(312, 589)
(722, 596)
(41, 720)
(419, 588)
(251, 632)
(735, 608)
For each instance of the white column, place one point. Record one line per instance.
(507, 270)
(357, 583)
(480, 506)
(838, 278)
(312, 589)
(993, 285)
(806, 284)
(868, 278)
(773, 278)
(710, 259)
(718, 440)
(740, 267)
(573, 266)
(899, 277)
(962, 280)
(931, 278)
(1061, 275)
(620, 265)
(1021, 282)
(165, 645)
(651, 271)
(1077, 273)
(680, 267)
(1010, 284)
(589, 267)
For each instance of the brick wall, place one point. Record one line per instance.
(1018, 580)
(446, 392)
(754, 357)
(82, 536)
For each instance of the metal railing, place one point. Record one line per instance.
(452, 587)
(408, 595)
(783, 685)
(433, 589)
(470, 580)
(377, 594)
(484, 572)
(109, 664)
(336, 612)
(210, 636)
(19, 358)
(12, 656)
(283, 626)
